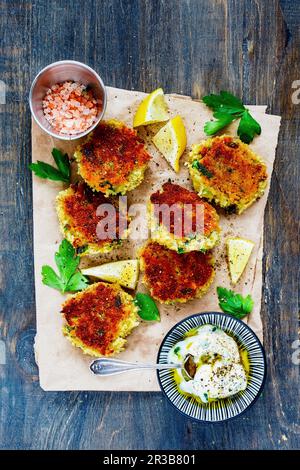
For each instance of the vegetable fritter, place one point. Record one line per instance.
(113, 159)
(77, 213)
(188, 224)
(98, 319)
(173, 277)
(226, 171)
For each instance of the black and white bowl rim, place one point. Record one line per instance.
(210, 320)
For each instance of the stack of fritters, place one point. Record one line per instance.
(225, 171)
(111, 161)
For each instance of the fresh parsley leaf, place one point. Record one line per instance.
(62, 162)
(180, 250)
(248, 127)
(234, 304)
(225, 102)
(65, 261)
(68, 279)
(227, 108)
(147, 307)
(222, 120)
(202, 169)
(46, 171)
(77, 282)
(50, 278)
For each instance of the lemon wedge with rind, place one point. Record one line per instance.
(171, 141)
(125, 273)
(152, 109)
(238, 254)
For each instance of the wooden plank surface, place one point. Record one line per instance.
(187, 46)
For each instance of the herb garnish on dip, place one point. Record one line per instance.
(221, 366)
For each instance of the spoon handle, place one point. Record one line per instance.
(106, 366)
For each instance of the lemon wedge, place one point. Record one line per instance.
(238, 254)
(152, 109)
(125, 273)
(171, 141)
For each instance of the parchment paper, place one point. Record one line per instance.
(61, 365)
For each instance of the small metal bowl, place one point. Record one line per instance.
(59, 72)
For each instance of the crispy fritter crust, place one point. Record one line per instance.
(77, 214)
(230, 173)
(173, 277)
(180, 231)
(99, 318)
(113, 159)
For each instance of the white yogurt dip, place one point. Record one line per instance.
(220, 372)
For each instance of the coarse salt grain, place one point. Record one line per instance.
(70, 108)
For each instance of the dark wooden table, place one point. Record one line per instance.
(250, 47)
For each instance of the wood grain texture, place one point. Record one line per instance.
(187, 46)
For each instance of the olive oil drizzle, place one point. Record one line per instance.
(245, 360)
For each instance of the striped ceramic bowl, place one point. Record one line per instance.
(224, 409)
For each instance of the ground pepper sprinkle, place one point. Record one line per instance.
(70, 107)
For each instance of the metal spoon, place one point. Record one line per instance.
(106, 366)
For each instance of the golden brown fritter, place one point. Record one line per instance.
(77, 213)
(183, 231)
(173, 277)
(99, 318)
(226, 171)
(113, 159)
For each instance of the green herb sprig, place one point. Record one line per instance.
(69, 278)
(234, 304)
(46, 171)
(227, 108)
(147, 307)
